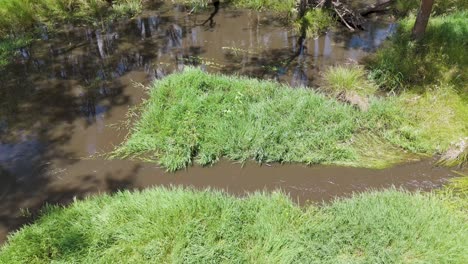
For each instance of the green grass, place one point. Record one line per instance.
(430, 79)
(276, 5)
(21, 15)
(457, 192)
(314, 22)
(439, 58)
(346, 78)
(10, 46)
(405, 7)
(439, 114)
(186, 226)
(197, 117)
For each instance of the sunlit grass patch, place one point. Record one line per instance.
(348, 78)
(455, 192)
(198, 117)
(194, 117)
(439, 114)
(275, 5)
(186, 226)
(373, 151)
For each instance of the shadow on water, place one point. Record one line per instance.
(59, 98)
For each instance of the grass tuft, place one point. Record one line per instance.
(347, 78)
(185, 226)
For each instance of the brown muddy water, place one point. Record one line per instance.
(63, 98)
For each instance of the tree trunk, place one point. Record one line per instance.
(422, 19)
(302, 7)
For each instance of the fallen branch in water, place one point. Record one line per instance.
(352, 19)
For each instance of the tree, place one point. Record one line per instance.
(422, 19)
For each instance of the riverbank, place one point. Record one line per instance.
(182, 225)
(23, 21)
(195, 117)
(284, 6)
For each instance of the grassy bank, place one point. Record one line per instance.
(440, 58)
(19, 19)
(272, 5)
(405, 7)
(430, 77)
(186, 226)
(22, 15)
(197, 117)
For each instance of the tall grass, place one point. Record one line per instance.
(185, 226)
(439, 58)
(348, 78)
(198, 117)
(430, 78)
